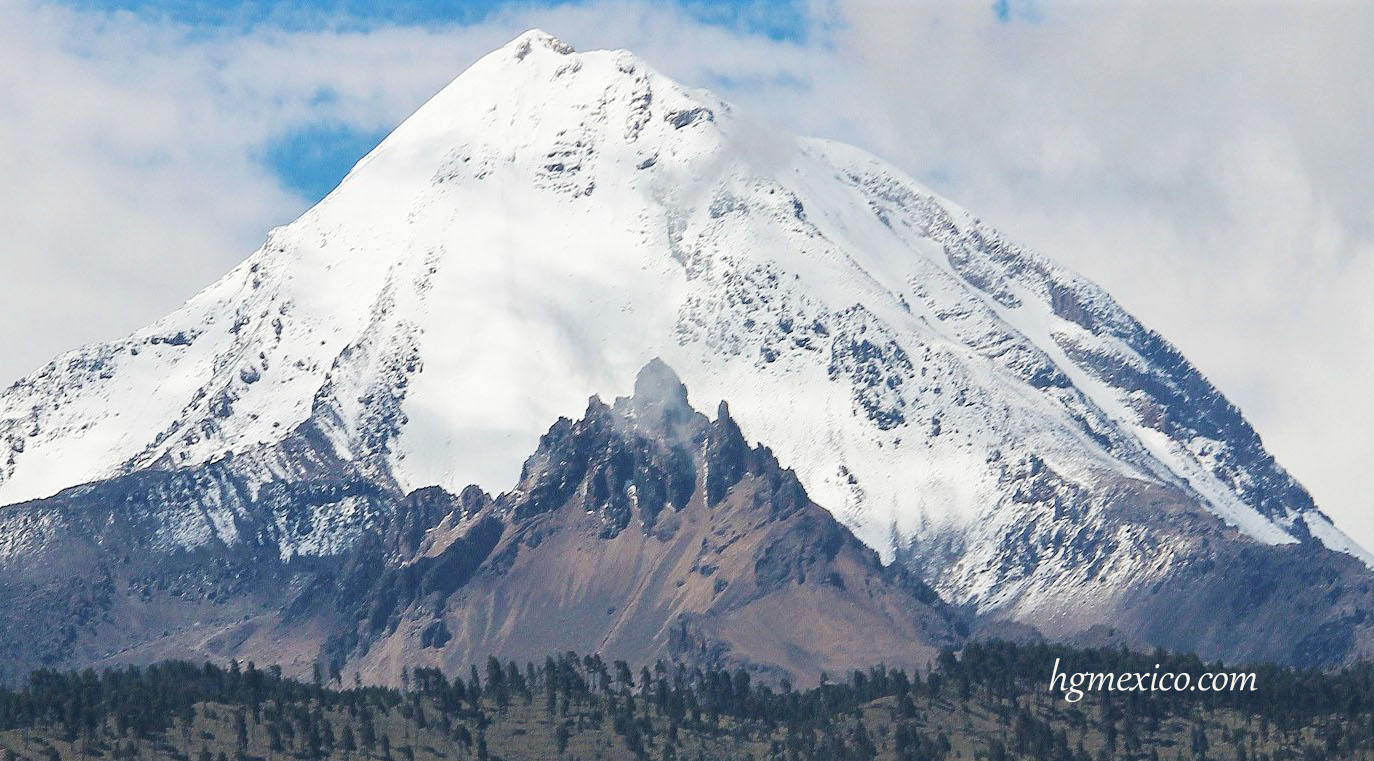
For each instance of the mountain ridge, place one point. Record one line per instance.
(551, 220)
(643, 528)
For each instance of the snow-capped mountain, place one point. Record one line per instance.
(700, 559)
(551, 220)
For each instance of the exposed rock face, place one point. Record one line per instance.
(164, 564)
(644, 530)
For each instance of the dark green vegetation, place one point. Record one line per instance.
(989, 702)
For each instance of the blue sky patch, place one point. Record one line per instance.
(1008, 11)
(311, 161)
(308, 14)
(777, 19)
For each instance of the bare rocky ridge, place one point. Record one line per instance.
(643, 529)
(102, 573)
(646, 529)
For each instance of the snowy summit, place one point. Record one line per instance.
(551, 220)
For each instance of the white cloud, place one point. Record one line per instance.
(1204, 163)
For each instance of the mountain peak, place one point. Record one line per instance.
(657, 384)
(551, 220)
(537, 107)
(533, 39)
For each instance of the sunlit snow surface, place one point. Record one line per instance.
(551, 220)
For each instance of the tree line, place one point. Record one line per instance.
(670, 710)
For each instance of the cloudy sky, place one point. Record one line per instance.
(1209, 165)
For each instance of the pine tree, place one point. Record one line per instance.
(561, 737)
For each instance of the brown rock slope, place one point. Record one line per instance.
(645, 531)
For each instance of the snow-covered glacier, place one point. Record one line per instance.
(551, 220)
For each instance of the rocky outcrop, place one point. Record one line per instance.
(643, 529)
(648, 530)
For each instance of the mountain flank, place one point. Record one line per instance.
(643, 528)
(282, 465)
